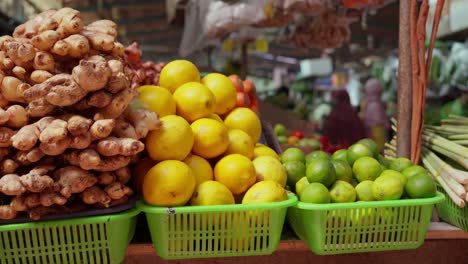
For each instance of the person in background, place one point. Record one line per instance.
(343, 127)
(375, 116)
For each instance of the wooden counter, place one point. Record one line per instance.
(444, 244)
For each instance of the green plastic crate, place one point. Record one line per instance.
(339, 228)
(451, 213)
(95, 239)
(217, 230)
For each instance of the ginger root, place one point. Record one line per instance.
(89, 159)
(17, 116)
(40, 108)
(55, 148)
(36, 181)
(45, 40)
(7, 212)
(54, 132)
(117, 106)
(106, 178)
(101, 34)
(8, 166)
(40, 76)
(117, 190)
(102, 128)
(9, 89)
(75, 46)
(142, 120)
(77, 125)
(6, 137)
(26, 157)
(123, 175)
(49, 197)
(94, 195)
(10, 184)
(44, 61)
(72, 179)
(80, 142)
(92, 73)
(59, 90)
(124, 129)
(112, 146)
(27, 137)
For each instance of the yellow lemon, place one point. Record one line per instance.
(215, 117)
(245, 119)
(263, 150)
(265, 192)
(211, 193)
(194, 101)
(240, 143)
(236, 172)
(223, 90)
(157, 99)
(178, 72)
(168, 183)
(211, 138)
(200, 167)
(173, 140)
(269, 168)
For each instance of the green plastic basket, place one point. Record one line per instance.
(451, 213)
(95, 239)
(362, 226)
(216, 231)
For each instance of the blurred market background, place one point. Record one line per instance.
(296, 60)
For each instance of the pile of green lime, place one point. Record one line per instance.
(359, 173)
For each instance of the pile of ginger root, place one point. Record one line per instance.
(68, 132)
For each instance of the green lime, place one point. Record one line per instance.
(282, 139)
(421, 186)
(364, 191)
(384, 161)
(357, 151)
(399, 164)
(318, 154)
(315, 193)
(280, 130)
(395, 173)
(342, 170)
(370, 143)
(341, 154)
(342, 192)
(321, 170)
(387, 187)
(295, 171)
(366, 168)
(301, 184)
(413, 170)
(292, 154)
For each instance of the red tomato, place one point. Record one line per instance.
(298, 134)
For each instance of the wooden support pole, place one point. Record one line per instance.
(404, 83)
(244, 60)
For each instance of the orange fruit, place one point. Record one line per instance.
(223, 90)
(168, 183)
(211, 138)
(173, 140)
(194, 101)
(178, 72)
(157, 99)
(245, 119)
(236, 172)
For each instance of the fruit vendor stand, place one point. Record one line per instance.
(109, 159)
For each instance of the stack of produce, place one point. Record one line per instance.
(146, 73)
(450, 139)
(358, 173)
(205, 152)
(296, 138)
(246, 93)
(67, 133)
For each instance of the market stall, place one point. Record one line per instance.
(109, 157)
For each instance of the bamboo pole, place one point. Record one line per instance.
(404, 83)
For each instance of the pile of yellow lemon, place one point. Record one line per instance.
(206, 151)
